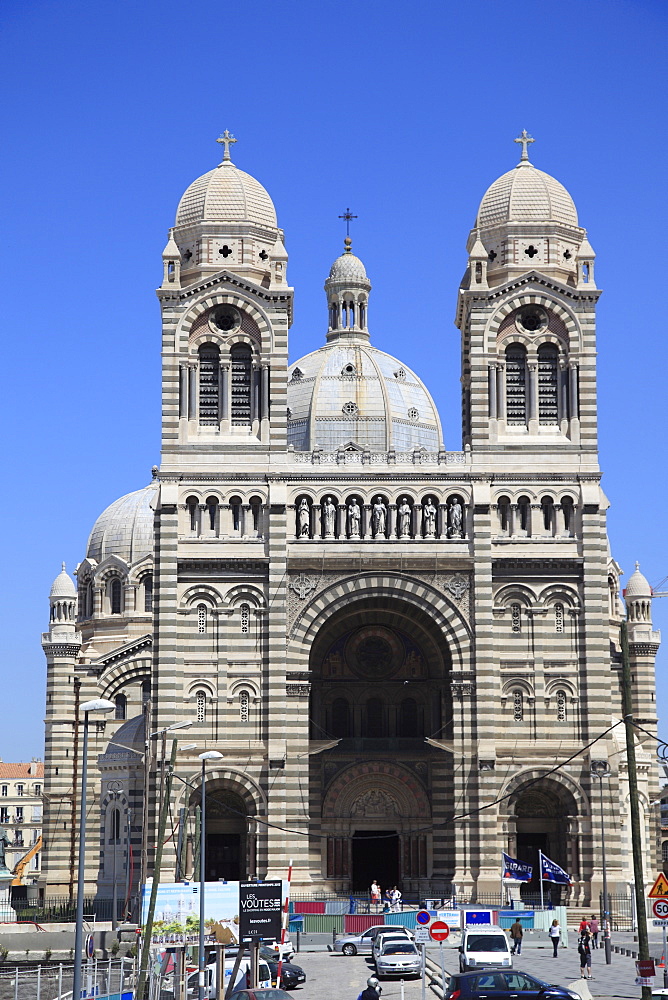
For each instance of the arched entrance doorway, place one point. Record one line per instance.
(230, 840)
(543, 817)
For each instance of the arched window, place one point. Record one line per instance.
(245, 619)
(548, 384)
(561, 706)
(374, 718)
(192, 504)
(201, 617)
(524, 514)
(148, 593)
(559, 618)
(244, 703)
(88, 600)
(568, 514)
(547, 508)
(115, 596)
(516, 384)
(256, 508)
(518, 705)
(235, 505)
(200, 699)
(212, 512)
(515, 618)
(362, 315)
(209, 379)
(503, 507)
(241, 385)
(145, 691)
(408, 718)
(664, 852)
(121, 706)
(115, 826)
(340, 725)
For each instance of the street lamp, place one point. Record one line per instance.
(97, 705)
(209, 755)
(600, 769)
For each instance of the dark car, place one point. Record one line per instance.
(264, 994)
(291, 975)
(502, 984)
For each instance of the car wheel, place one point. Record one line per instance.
(349, 949)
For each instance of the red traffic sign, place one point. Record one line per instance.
(423, 916)
(660, 908)
(439, 930)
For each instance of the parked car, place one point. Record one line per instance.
(361, 944)
(381, 940)
(291, 975)
(398, 957)
(486, 946)
(502, 984)
(278, 950)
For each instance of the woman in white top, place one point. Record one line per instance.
(555, 934)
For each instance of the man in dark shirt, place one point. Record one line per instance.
(516, 933)
(372, 991)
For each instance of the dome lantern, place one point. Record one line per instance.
(347, 289)
(63, 602)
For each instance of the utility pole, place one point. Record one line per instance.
(636, 838)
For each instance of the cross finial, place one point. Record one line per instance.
(348, 216)
(524, 138)
(226, 140)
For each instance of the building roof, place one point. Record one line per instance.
(129, 736)
(9, 770)
(526, 194)
(226, 194)
(125, 528)
(348, 392)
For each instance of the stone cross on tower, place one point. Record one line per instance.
(525, 139)
(226, 140)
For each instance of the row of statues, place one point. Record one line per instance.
(427, 515)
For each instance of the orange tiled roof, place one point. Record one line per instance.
(8, 770)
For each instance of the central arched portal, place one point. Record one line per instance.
(230, 843)
(380, 668)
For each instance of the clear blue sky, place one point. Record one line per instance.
(405, 112)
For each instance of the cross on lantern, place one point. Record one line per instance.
(347, 216)
(226, 140)
(524, 138)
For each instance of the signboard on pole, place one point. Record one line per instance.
(423, 917)
(645, 968)
(422, 935)
(660, 887)
(260, 905)
(660, 908)
(439, 930)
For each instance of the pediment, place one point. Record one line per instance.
(128, 651)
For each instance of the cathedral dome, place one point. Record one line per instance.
(130, 736)
(63, 586)
(348, 393)
(638, 585)
(124, 529)
(347, 267)
(526, 194)
(226, 194)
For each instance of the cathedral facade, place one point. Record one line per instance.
(408, 656)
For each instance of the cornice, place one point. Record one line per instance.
(129, 649)
(226, 277)
(531, 278)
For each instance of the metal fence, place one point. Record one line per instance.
(53, 981)
(62, 909)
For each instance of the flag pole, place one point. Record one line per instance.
(540, 868)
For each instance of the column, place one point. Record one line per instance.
(341, 515)
(392, 520)
(192, 392)
(129, 599)
(532, 392)
(265, 392)
(255, 394)
(416, 521)
(492, 392)
(97, 601)
(442, 521)
(558, 520)
(225, 395)
(513, 520)
(183, 390)
(316, 519)
(563, 397)
(246, 525)
(574, 409)
(537, 527)
(501, 391)
(225, 515)
(365, 530)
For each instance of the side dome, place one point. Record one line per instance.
(226, 194)
(638, 585)
(348, 266)
(63, 586)
(351, 395)
(125, 528)
(526, 194)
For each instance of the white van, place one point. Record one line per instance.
(263, 977)
(484, 947)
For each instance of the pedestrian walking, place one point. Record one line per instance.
(555, 935)
(516, 933)
(594, 929)
(375, 894)
(584, 951)
(396, 900)
(584, 927)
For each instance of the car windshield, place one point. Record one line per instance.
(486, 942)
(399, 949)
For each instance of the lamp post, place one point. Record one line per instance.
(209, 755)
(97, 705)
(600, 769)
(115, 788)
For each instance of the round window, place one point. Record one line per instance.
(225, 319)
(531, 319)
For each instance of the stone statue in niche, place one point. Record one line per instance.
(328, 517)
(429, 518)
(375, 802)
(379, 518)
(354, 518)
(304, 519)
(404, 511)
(455, 514)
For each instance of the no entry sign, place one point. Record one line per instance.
(439, 930)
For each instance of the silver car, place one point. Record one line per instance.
(362, 944)
(398, 958)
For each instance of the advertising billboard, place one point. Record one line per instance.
(260, 910)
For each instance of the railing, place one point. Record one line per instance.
(53, 980)
(63, 909)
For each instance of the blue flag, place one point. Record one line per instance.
(515, 869)
(551, 872)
